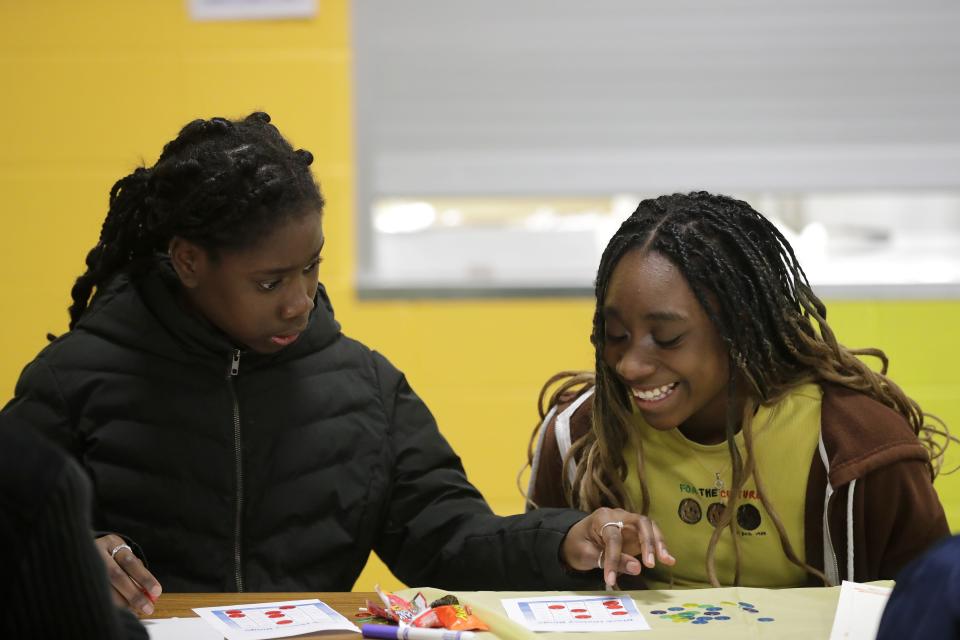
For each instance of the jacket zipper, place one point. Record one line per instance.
(238, 468)
(828, 551)
(828, 539)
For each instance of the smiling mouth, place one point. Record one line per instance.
(656, 394)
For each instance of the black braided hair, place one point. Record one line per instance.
(742, 271)
(220, 184)
(746, 277)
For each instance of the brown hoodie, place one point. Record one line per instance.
(870, 473)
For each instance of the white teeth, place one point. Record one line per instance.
(655, 394)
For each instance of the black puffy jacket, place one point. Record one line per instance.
(239, 471)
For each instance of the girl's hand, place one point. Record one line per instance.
(609, 539)
(133, 586)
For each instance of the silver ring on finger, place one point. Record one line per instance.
(618, 524)
(120, 547)
(600, 560)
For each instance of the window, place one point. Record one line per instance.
(499, 144)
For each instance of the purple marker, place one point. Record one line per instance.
(390, 632)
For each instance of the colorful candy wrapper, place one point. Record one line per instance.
(456, 617)
(393, 607)
(445, 613)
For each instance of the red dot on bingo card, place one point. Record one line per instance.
(618, 613)
(611, 602)
(236, 615)
(615, 606)
(230, 611)
(582, 616)
(578, 610)
(555, 606)
(271, 612)
(284, 621)
(288, 606)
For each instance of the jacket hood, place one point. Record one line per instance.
(143, 312)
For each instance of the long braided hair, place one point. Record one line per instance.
(746, 277)
(220, 184)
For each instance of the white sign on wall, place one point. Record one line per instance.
(252, 9)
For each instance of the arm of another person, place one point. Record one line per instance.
(59, 587)
(39, 404)
(440, 531)
(926, 600)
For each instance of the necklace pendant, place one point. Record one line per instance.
(718, 483)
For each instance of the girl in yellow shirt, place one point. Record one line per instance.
(722, 402)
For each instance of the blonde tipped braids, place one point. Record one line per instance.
(788, 550)
(832, 362)
(600, 476)
(742, 472)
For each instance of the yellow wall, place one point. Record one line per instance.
(91, 88)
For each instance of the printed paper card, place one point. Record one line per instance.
(576, 613)
(859, 609)
(274, 619)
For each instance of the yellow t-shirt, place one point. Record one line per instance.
(689, 485)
